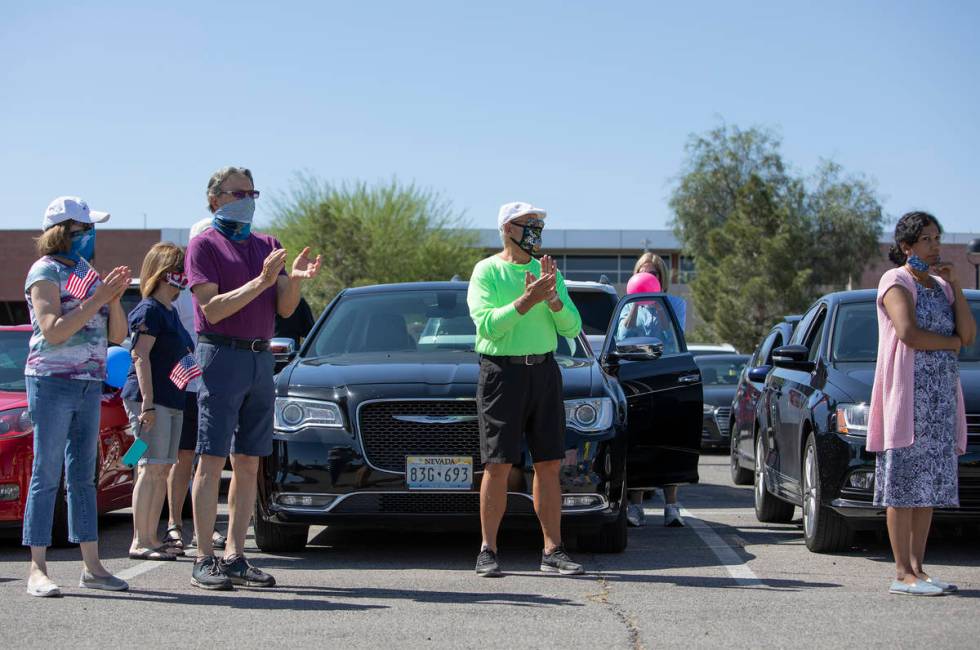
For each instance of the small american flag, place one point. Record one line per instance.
(184, 371)
(80, 280)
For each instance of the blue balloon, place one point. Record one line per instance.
(117, 364)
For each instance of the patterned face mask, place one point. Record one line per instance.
(177, 280)
(530, 241)
(916, 263)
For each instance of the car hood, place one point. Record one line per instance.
(856, 379)
(577, 374)
(719, 395)
(12, 400)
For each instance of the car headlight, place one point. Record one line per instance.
(852, 419)
(295, 414)
(708, 409)
(590, 414)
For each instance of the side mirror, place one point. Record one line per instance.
(758, 374)
(637, 349)
(283, 350)
(793, 357)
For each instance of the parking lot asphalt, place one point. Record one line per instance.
(723, 581)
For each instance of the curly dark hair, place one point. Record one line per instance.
(907, 231)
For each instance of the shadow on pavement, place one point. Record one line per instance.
(244, 599)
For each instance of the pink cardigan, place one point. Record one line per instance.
(890, 422)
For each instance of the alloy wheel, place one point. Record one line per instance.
(809, 492)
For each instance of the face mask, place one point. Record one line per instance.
(916, 263)
(82, 245)
(530, 241)
(177, 280)
(233, 230)
(240, 210)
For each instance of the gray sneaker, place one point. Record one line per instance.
(672, 517)
(635, 515)
(558, 562)
(107, 583)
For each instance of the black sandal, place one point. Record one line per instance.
(174, 541)
(159, 553)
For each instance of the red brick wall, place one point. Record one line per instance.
(112, 248)
(955, 253)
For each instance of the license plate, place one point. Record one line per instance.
(439, 472)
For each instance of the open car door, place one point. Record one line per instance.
(646, 351)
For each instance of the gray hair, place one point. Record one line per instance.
(220, 176)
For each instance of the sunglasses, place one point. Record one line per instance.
(241, 194)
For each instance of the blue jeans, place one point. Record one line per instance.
(66, 414)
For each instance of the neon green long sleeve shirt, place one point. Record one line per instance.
(500, 328)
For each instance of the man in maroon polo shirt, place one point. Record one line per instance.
(239, 282)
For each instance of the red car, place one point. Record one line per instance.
(114, 482)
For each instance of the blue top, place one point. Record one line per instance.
(171, 345)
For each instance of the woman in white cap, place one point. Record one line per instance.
(74, 313)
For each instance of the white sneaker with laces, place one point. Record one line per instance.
(672, 516)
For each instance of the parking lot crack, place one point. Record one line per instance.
(602, 598)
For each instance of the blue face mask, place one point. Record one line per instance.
(233, 230)
(82, 246)
(916, 263)
(240, 210)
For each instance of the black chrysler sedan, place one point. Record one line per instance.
(719, 376)
(747, 393)
(376, 425)
(812, 425)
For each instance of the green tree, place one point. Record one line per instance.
(767, 242)
(373, 234)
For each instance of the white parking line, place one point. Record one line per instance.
(140, 569)
(734, 565)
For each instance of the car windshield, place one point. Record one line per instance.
(595, 308)
(13, 357)
(720, 371)
(376, 326)
(856, 333)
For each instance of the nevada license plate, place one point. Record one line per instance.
(439, 472)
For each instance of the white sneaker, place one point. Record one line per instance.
(672, 516)
(43, 588)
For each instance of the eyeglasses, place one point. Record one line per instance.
(241, 194)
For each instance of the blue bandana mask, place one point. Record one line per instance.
(916, 263)
(240, 210)
(233, 230)
(82, 246)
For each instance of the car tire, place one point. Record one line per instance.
(271, 537)
(768, 508)
(740, 475)
(824, 531)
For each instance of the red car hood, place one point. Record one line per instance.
(12, 400)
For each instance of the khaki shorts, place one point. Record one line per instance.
(163, 439)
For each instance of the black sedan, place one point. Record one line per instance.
(376, 424)
(813, 423)
(747, 393)
(719, 376)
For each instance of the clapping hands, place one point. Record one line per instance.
(543, 289)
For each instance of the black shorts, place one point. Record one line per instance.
(188, 434)
(515, 402)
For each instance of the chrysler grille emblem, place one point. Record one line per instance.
(435, 419)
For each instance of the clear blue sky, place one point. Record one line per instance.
(580, 107)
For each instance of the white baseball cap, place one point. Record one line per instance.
(510, 211)
(64, 208)
(200, 227)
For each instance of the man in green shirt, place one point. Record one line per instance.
(520, 306)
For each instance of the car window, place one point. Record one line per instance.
(414, 323)
(648, 318)
(816, 335)
(855, 332)
(972, 353)
(804, 325)
(720, 371)
(764, 351)
(595, 308)
(14, 347)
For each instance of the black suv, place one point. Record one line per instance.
(376, 426)
(813, 422)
